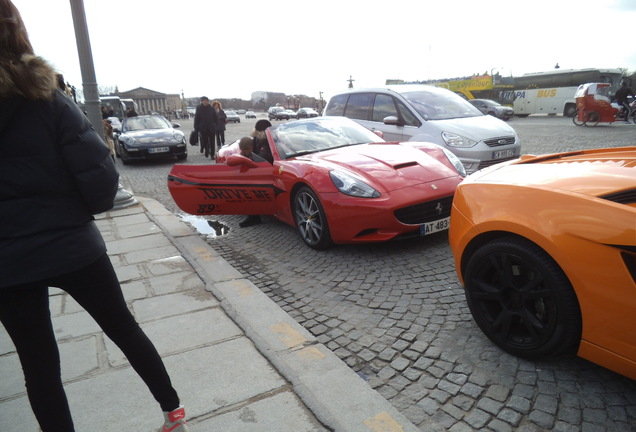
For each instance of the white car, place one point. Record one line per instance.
(430, 114)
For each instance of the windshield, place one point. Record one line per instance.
(318, 134)
(440, 104)
(491, 102)
(141, 123)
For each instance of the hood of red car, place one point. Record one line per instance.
(389, 165)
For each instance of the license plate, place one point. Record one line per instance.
(158, 149)
(503, 154)
(435, 226)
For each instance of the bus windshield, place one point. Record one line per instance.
(113, 106)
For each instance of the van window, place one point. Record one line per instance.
(359, 106)
(433, 104)
(383, 107)
(408, 116)
(337, 105)
(386, 105)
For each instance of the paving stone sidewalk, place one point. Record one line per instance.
(239, 362)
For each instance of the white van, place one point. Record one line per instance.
(430, 114)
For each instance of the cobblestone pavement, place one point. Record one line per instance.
(396, 314)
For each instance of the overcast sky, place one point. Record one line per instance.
(226, 49)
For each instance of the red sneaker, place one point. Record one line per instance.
(174, 421)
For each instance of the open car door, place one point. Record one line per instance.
(240, 187)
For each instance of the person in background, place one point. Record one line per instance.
(221, 120)
(130, 112)
(55, 174)
(261, 145)
(108, 137)
(205, 125)
(622, 98)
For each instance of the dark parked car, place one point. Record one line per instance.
(493, 108)
(150, 136)
(272, 111)
(306, 113)
(282, 115)
(232, 117)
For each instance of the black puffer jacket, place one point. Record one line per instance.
(55, 173)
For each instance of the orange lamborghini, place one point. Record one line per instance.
(545, 247)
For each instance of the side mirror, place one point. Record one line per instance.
(392, 120)
(176, 125)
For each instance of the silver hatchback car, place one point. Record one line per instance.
(430, 114)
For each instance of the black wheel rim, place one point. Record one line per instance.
(513, 301)
(592, 118)
(308, 218)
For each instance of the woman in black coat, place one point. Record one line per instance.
(55, 174)
(221, 119)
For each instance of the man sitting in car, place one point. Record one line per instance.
(246, 146)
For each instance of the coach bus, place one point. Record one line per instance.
(114, 106)
(553, 92)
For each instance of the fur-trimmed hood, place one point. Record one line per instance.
(31, 77)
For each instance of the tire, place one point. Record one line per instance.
(575, 119)
(592, 118)
(311, 220)
(182, 157)
(569, 110)
(521, 299)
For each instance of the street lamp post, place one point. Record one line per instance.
(91, 95)
(89, 82)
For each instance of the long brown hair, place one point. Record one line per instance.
(21, 72)
(14, 39)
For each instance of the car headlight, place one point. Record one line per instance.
(454, 140)
(178, 137)
(129, 141)
(350, 185)
(459, 166)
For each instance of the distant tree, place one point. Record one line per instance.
(106, 90)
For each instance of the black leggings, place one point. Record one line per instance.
(220, 139)
(24, 312)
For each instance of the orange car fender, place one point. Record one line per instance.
(576, 232)
(533, 218)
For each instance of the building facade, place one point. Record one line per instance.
(150, 101)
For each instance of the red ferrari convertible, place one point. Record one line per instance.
(334, 180)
